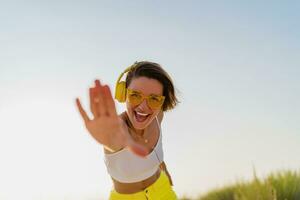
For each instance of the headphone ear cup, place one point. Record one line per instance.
(120, 93)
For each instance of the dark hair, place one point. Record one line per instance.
(155, 71)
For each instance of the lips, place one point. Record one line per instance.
(140, 117)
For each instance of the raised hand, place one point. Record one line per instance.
(106, 127)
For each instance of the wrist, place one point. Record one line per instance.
(112, 149)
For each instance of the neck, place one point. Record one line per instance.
(139, 132)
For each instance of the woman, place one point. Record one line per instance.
(132, 141)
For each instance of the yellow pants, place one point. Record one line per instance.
(159, 190)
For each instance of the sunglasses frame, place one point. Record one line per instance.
(147, 97)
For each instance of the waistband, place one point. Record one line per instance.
(162, 183)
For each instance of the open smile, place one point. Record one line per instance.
(141, 117)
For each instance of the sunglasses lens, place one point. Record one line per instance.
(155, 102)
(135, 98)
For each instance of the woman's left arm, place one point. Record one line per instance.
(164, 167)
(163, 164)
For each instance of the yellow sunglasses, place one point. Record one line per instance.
(153, 101)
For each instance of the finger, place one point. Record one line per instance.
(137, 148)
(109, 101)
(93, 105)
(82, 111)
(100, 106)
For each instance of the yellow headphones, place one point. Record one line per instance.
(120, 91)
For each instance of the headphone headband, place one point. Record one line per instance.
(126, 70)
(120, 91)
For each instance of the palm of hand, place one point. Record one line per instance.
(106, 127)
(106, 130)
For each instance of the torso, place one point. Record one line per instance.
(152, 135)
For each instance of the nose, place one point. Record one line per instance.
(144, 106)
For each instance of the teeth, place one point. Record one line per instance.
(143, 114)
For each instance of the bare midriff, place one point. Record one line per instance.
(129, 188)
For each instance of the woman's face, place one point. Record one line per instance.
(142, 115)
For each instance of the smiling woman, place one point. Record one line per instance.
(132, 141)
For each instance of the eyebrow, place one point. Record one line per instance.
(144, 94)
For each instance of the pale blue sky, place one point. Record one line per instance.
(236, 65)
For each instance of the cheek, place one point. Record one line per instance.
(130, 109)
(155, 113)
(129, 106)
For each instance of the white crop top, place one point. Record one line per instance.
(127, 167)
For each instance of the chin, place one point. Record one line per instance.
(141, 125)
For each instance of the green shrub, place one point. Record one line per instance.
(284, 185)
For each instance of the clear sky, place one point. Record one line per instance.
(236, 67)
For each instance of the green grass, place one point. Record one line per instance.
(284, 185)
